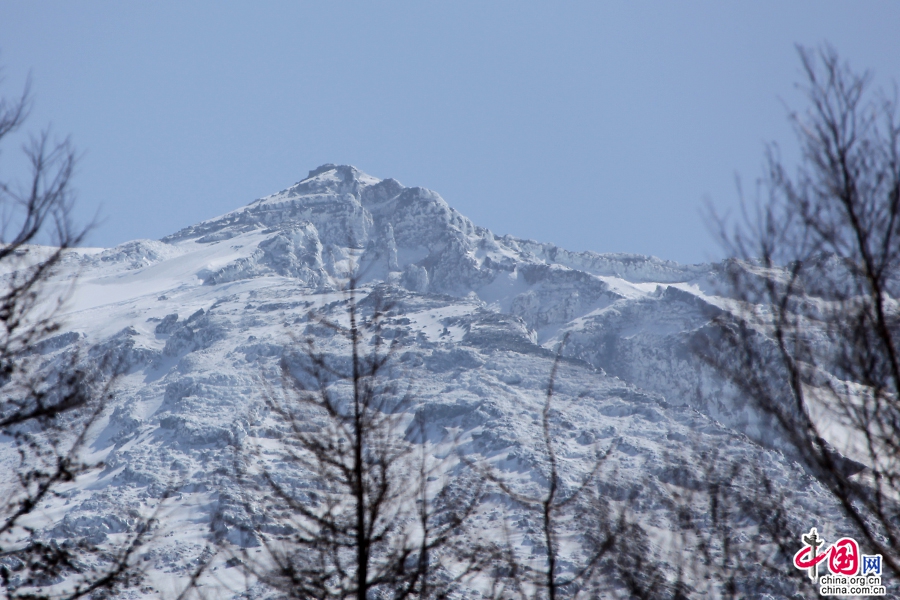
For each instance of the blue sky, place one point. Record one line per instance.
(595, 125)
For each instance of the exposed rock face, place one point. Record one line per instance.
(201, 319)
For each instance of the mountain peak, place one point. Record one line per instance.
(343, 171)
(322, 169)
(344, 174)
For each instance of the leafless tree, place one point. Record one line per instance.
(45, 409)
(601, 532)
(814, 343)
(733, 530)
(361, 511)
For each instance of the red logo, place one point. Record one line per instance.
(843, 555)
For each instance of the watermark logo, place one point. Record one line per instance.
(850, 573)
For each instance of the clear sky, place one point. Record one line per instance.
(594, 125)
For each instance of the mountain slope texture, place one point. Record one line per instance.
(199, 321)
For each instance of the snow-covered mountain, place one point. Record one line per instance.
(200, 317)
